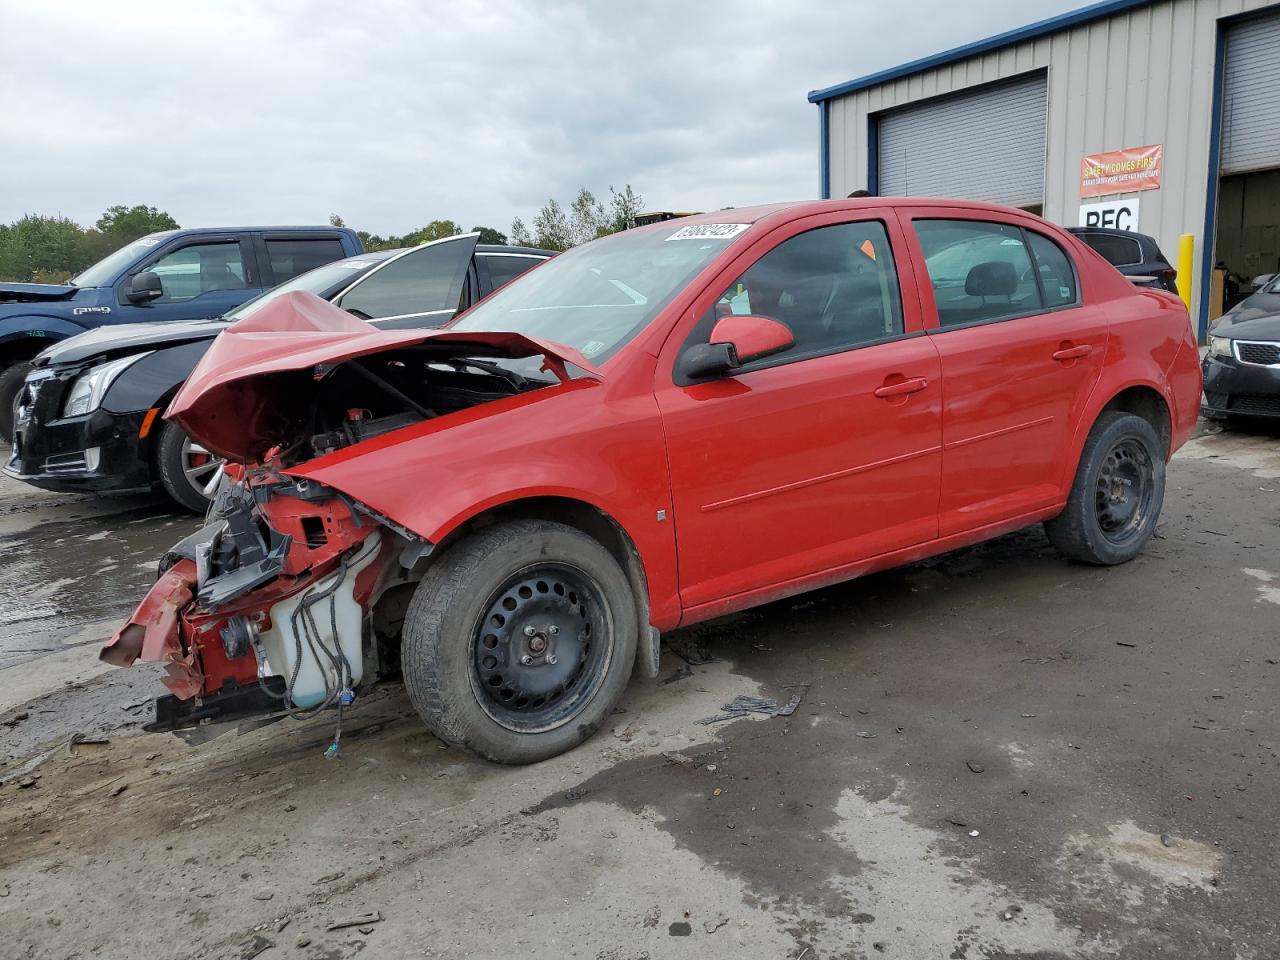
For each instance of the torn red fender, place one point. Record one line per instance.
(152, 632)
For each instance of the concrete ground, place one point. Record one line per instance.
(997, 754)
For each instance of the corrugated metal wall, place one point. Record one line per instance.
(1140, 77)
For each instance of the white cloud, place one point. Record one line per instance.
(394, 113)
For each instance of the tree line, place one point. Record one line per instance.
(52, 249)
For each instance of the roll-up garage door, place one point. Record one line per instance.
(985, 144)
(1251, 97)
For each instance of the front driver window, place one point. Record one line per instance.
(199, 268)
(834, 287)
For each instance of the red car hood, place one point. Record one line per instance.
(228, 400)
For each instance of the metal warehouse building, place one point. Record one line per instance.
(1161, 117)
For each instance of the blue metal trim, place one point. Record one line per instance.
(824, 165)
(1074, 18)
(873, 155)
(1201, 321)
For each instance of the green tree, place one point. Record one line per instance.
(489, 235)
(123, 224)
(551, 228)
(624, 207)
(586, 218)
(435, 230)
(336, 221)
(48, 248)
(520, 235)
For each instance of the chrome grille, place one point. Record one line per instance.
(1258, 352)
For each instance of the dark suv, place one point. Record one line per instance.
(90, 416)
(1133, 254)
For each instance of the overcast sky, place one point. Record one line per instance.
(397, 113)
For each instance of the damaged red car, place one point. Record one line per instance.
(653, 429)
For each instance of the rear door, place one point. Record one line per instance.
(285, 255)
(824, 455)
(497, 269)
(422, 287)
(1021, 350)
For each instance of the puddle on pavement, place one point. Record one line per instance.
(64, 581)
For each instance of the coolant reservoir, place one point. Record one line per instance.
(288, 648)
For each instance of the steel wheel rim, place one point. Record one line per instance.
(528, 677)
(1122, 494)
(199, 465)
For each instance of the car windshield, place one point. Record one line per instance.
(598, 296)
(102, 272)
(315, 281)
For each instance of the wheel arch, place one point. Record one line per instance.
(1143, 398)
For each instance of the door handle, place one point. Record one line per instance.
(1073, 353)
(902, 388)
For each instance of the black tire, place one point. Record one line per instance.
(11, 378)
(178, 475)
(458, 666)
(1117, 494)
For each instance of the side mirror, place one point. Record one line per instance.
(734, 341)
(144, 287)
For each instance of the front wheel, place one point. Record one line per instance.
(1118, 491)
(11, 379)
(185, 468)
(520, 641)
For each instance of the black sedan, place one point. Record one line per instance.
(1242, 365)
(1133, 254)
(90, 417)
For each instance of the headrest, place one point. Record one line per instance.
(995, 278)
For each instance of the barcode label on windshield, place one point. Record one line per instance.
(709, 231)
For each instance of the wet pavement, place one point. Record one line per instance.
(996, 754)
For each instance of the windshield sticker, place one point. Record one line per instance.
(709, 231)
(149, 241)
(591, 348)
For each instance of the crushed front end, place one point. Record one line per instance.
(266, 608)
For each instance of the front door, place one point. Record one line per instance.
(199, 280)
(818, 457)
(1020, 353)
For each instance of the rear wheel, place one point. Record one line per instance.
(1118, 491)
(185, 467)
(520, 640)
(11, 380)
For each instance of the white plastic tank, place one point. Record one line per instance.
(286, 650)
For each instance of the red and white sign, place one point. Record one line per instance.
(1122, 171)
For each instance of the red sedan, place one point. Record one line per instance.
(656, 428)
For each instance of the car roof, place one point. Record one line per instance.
(289, 229)
(508, 248)
(800, 208)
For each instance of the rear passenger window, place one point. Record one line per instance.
(835, 288)
(505, 267)
(1057, 278)
(979, 271)
(292, 257)
(1117, 251)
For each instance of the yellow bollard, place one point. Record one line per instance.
(1186, 251)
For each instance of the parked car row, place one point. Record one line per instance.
(90, 414)
(649, 430)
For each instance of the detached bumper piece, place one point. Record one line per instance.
(231, 703)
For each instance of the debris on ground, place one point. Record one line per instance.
(360, 920)
(116, 791)
(865, 735)
(303, 942)
(28, 781)
(974, 766)
(84, 738)
(677, 758)
(679, 929)
(683, 673)
(742, 706)
(252, 947)
(263, 894)
(1125, 643)
(330, 877)
(16, 719)
(711, 926)
(1166, 840)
